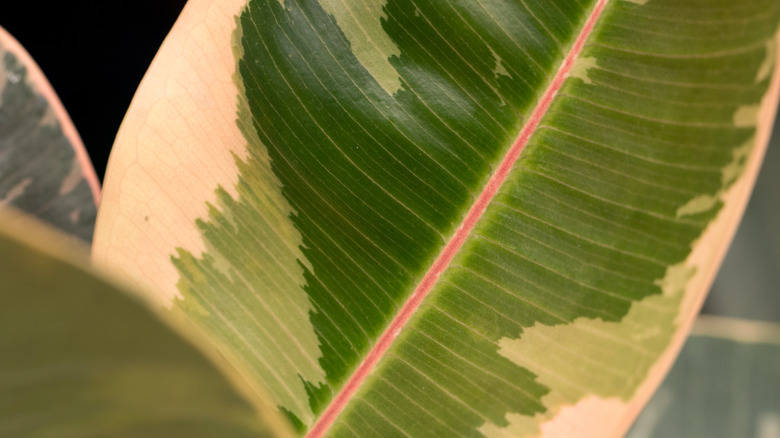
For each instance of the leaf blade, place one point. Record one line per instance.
(370, 228)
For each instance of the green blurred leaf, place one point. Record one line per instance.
(82, 359)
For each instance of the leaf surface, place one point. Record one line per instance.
(443, 218)
(83, 359)
(44, 168)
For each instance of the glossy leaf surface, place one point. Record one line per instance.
(82, 359)
(443, 218)
(44, 168)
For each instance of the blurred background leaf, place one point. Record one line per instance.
(748, 284)
(725, 384)
(80, 358)
(44, 168)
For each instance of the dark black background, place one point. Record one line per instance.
(94, 53)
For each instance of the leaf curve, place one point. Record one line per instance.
(44, 170)
(590, 237)
(81, 358)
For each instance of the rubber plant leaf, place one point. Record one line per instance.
(724, 384)
(44, 169)
(426, 218)
(81, 358)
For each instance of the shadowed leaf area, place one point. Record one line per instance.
(39, 171)
(82, 359)
(360, 168)
(718, 388)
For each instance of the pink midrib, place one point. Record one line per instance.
(453, 246)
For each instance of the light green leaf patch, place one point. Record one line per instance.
(580, 69)
(746, 116)
(500, 69)
(246, 290)
(769, 62)
(626, 352)
(361, 23)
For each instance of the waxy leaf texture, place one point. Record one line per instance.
(460, 218)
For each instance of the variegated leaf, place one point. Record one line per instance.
(44, 168)
(461, 218)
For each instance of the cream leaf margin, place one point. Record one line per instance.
(173, 149)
